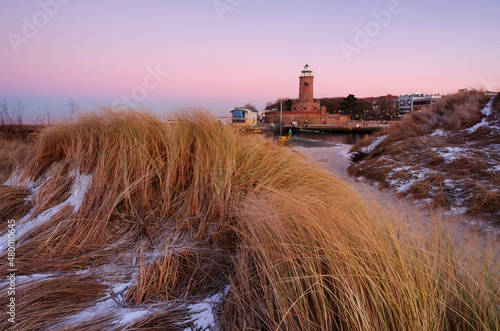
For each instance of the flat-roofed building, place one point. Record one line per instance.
(244, 116)
(415, 102)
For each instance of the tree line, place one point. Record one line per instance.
(379, 108)
(15, 116)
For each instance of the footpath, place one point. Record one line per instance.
(419, 219)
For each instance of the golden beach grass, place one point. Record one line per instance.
(418, 141)
(193, 206)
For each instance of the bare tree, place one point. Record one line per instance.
(387, 108)
(39, 117)
(73, 106)
(4, 113)
(48, 113)
(249, 106)
(19, 113)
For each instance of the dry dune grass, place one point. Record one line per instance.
(13, 203)
(12, 154)
(183, 210)
(44, 303)
(344, 274)
(452, 113)
(440, 156)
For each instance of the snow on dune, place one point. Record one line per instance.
(202, 313)
(403, 185)
(112, 304)
(20, 280)
(450, 154)
(79, 188)
(484, 122)
(375, 143)
(438, 133)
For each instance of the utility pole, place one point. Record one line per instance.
(281, 122)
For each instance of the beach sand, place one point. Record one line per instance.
(335, 159)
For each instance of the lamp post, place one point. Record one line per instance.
(281, 121)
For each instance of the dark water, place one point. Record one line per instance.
(337, 138)
(334, 138)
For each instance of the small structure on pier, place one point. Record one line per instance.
(244, 116)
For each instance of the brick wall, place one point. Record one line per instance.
(312, 117)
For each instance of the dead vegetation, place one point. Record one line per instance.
(46, 302)
(131, 215)
(12, 154)
(447, 155)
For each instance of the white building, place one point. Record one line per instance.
(416, 101)
(244, 116)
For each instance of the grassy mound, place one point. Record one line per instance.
(447, 155)
(151, 224)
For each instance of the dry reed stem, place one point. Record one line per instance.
(44, 303)
(13, 204)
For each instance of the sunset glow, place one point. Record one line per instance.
(217, 53)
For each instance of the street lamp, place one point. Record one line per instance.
(281, 121)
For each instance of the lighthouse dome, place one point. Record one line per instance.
(306, 71)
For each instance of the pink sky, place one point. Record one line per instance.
(217, 53)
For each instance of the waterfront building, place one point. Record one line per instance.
(415, 102)
(244, 116)
(306, 101)
(306, 110)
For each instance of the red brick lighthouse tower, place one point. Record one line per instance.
(306, 85)
(306, 100)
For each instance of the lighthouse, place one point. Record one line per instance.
(306, 81)
(306, 100)
(306, 111)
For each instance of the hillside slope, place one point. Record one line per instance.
(447, 155)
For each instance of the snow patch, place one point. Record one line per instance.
(112, 304)
(202, 314)
(131, 316)
(79, 188)
(403, 185)
(15, 178)
(29, 222)
(375, 143)
(494, 169)
(456, 211)
(20, 280)
(345, 154)
(484, 122)
(451, 153)
(438, 133)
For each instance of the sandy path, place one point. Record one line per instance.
(420, 219)
(336, 160)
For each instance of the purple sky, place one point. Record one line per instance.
(165, 55)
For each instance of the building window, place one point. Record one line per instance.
(238, 114)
